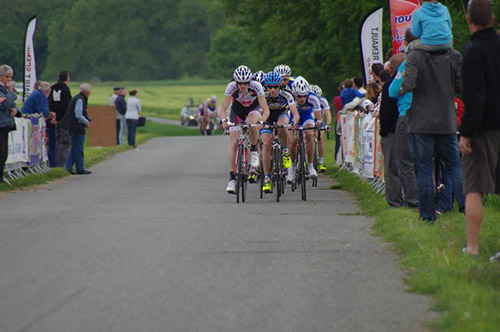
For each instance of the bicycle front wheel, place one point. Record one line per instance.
(302, 171)
(239, 171)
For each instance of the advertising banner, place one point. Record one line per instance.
(35, 141)
(371, 42)
(18, 143)
(369, 146)
(29, 59)
(401, 18)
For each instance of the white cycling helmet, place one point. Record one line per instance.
(242, 74)
(213, 97)
(300, 87)
(316, 90)
(283, 70)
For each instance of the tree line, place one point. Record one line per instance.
(168, 39)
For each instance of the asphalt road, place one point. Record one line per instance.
(151, 242)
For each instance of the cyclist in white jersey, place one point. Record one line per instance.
(309, 108)
(249, 106)
(325, 112)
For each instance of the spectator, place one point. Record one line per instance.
(76, 120)
(37, 102)
(349, 92)
(404, 148)
(432, 24)
(388, 118)
(121, 109)
(8, 110)
(384, 76)
(434, 78)
(360, 94)
(338, 106)
(132, 116)
(112, 100)
(372, 91)
(480, 129)
(59, 98)
(376, 68)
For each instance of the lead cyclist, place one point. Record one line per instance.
(249, 106)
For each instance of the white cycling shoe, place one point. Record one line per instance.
(231, 187)
(312, 172)
(290, 178)
(254, 159)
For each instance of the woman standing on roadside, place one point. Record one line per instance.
(132, 116)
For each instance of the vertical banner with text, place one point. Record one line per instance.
(371, 42)
(29, 59)
(401, 18)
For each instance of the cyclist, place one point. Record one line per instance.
(248, 102)
(278, 101)
(259, 77)
(325, 111)
(286, 79)
(206, 111)
(309, 108)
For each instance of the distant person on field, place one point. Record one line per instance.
(8, 110)
(432, 24)
(132, 116)
(121, 109)
(480, 129)
(76, 120)
(59, 98)
(112, 100)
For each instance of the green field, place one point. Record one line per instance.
(162, 99)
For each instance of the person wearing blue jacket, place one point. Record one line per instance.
(432, 24)
(404, 145)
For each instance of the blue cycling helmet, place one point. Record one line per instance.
(259, 76)
(272, 78)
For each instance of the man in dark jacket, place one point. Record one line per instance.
(434, 78)
(76, 120)
(388, 117)
(480, 128)
(8, 110)
(121, 108)
(59, 98)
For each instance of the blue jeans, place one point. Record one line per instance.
(75, 156)
(52, 146)
(424, 146)
(131, 129)
(121, 132)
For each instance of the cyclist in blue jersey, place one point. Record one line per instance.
(309, 108)
(248, 106)
(325, 112)
(278, 101)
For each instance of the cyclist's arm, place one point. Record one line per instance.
(328, 116)
(265, 108)
(295, 113)
(205, 109)
(223, 107)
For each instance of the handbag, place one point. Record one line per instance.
(142, 121)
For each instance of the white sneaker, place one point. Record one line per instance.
(254, 159)
(290, 178)
(231, 187)
(312, 172)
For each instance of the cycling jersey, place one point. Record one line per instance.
(277, 107)
(306, 110)
(201, 108)
(246, 99)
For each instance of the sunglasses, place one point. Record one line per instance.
(243, 83)
(273, 86)
(301, 96)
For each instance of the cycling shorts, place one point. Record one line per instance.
(273, 119)
(306, 118)
(239, 112)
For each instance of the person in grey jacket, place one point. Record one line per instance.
(435, 79)
(8, 110)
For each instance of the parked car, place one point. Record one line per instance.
(189, 116)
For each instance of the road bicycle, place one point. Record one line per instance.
(241, 164)
(278, 171)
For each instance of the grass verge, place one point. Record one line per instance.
(94, 155)
(466, 290)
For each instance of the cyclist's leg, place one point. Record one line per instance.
(252, 118)
(309, 141)
(283, 132)
(267, 140)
